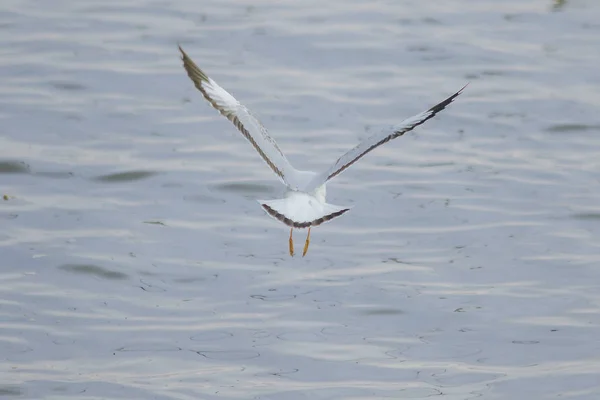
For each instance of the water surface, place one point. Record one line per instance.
(136, 264)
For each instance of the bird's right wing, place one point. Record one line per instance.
(377, 140)
(243, 119)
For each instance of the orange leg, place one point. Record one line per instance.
(307, 243)
(291, 243)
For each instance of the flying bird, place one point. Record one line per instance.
(304, 204)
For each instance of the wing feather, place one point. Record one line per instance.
(377, 140)
(250, 127)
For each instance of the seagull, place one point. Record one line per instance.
(303, 205)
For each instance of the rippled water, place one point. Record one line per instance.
(135, 263)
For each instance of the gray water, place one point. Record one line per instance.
(135, 262)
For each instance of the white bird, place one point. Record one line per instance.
(303, 205)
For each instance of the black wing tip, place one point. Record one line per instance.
(427, 115)
(300, 225)
(183, 53)
(185, 58)
(191, 68)
(440, 106)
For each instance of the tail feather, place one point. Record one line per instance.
(301, 210)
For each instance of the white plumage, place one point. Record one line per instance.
(304, 204)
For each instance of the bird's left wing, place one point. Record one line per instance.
(243, 120)
(377, 140)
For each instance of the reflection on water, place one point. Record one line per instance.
(135, 262)
(125, 176)
(93, 270)
(588, 216)
(10, 391)
(13, 167)
(253, 189)
(566, 128)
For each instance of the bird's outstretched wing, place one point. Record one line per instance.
(243, 119)
(377, 140)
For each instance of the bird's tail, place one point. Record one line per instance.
(301, 210)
